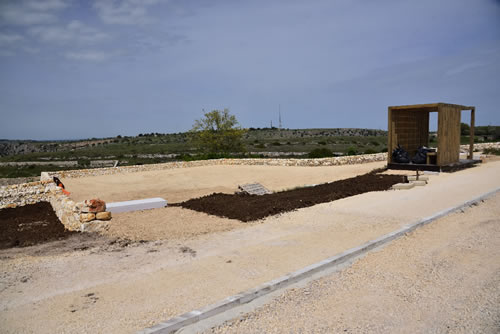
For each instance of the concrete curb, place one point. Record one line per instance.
(174, 324)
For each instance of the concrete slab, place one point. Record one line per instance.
(136, 205)
(420, 178)
(419, 183)
(401, 186)
(254, 189)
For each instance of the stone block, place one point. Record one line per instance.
(401, 186)
(420, 178)
(141, 204)
(103, 215)
(419, 183)
(86, 217)
(94, 226)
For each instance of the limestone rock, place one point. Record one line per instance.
(96, 205)
(86, 217)
(95, 226)
(103, 215)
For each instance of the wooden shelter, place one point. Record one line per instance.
(409, 128)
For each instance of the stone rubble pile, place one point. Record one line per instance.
(94, 209)
(88, 216)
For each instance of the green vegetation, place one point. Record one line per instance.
(217, 132)
(320, 153)
(351, 151)
(29, 170)
(149, 148)
(494, 151)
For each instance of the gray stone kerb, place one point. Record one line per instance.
(174, 324)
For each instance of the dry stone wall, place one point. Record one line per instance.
(68, 212)
(479, 147)
(26, 193)
(334, 161)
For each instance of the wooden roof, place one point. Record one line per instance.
(430, 106)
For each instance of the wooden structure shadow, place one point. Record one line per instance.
(409, 127)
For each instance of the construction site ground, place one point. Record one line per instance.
(107, 284)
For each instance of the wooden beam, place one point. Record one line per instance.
(430, 106)
(471, 132)
(389, 136)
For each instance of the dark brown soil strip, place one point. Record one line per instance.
(30, 225)
(252, 207)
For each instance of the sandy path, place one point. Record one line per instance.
(443, 278)
(177, 185)
(116, 292)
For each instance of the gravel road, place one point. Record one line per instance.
(443, 278)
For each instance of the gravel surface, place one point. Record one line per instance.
(443, 278)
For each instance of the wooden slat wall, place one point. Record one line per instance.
(448, 135)
(408, 128)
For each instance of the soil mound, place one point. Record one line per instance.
(252, 207)
(30, 225)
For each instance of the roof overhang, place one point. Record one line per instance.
(430, 107)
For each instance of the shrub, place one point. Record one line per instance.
(352, 151)
(320, 153)
(495, 151)
(370, 151)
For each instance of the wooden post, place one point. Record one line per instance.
(389, 136)
(471, 133)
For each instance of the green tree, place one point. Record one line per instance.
(218, 132)
(464, 129)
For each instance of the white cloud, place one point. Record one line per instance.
(46, 5)
(6, 39)
(93, 56)
(30, 12)
(124, 11)
(17, 16)
(31, 50)
(464, 67)
(75, 31)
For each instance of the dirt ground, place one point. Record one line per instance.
(30, 225)
(247, 208)
(442, 278)
(103, 285)
(182, 184)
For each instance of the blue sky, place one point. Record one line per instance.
(81, 69)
